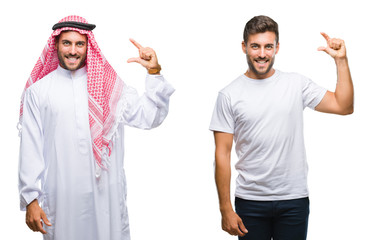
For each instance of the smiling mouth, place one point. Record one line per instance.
(261, 62)
(72, 59)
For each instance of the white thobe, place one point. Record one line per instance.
(57, 166)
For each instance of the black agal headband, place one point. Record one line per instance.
(79, 25)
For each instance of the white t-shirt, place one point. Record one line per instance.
(266, 119)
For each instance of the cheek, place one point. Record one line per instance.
(62, 49)
(82, 51)
(271, 54)
(251, 53)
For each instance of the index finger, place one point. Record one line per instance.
(135, 43)
(325, 36)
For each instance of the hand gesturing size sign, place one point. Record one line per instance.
(335, 47)
(147, 58)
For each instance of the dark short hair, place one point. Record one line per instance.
(260, 24)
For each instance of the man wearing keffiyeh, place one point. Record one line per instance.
(73, 111)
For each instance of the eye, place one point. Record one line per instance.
(269, 47)
(65, 43)
(254, 46)
(80, 44)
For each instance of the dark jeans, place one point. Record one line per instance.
(278, 220)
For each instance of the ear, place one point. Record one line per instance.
(243, 47)
(277, 47)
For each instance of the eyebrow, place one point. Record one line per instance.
(266, 45)
(68, 41)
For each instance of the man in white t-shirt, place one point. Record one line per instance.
(262, 111)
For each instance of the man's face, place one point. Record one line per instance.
(260, 51)
(71, 48)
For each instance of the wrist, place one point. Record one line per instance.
(225, 208)
(341, 61)
(155, 70)
(33, 203)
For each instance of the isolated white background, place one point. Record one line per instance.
(171, 190)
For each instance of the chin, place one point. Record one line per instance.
(73, 67)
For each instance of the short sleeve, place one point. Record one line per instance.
(222, 119)
(312, 93)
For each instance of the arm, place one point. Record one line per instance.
(231, 222)
(340, 101)
(149, 110)
(31, 164)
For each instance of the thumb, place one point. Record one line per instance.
(322, 49)
(242, 226)
(45, 219)
(326, 50)
(137, 60)
(130, 60)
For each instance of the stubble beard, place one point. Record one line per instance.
(256, 71)
(65, 66)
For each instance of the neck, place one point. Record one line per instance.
(253, 75)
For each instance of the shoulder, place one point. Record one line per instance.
(293, 78)
(41, 83)
(233, 86)
(290, 75)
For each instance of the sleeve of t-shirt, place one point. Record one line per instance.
(222, 119)
(312, 93)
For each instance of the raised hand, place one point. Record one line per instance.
(335, 47)
(147, 58)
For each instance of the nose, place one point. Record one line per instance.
(261, 53)
(73, 49)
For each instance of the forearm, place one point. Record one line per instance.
(30, 172)
(31, 158)
(223, 180)
(344, 92)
